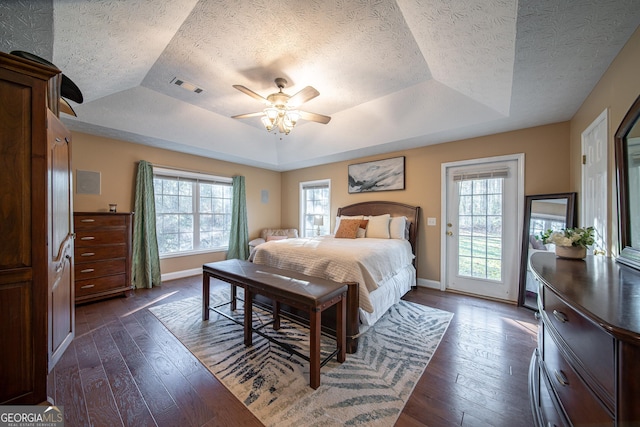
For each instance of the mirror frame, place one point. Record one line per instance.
(570, 221)
(628, 254)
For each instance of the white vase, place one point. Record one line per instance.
(571, 252)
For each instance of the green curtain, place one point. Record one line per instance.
(145, 269)
(239, 236)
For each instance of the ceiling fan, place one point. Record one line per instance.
(282, 110)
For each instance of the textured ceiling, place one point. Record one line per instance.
(391, 74)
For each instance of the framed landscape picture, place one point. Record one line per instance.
(379, 175)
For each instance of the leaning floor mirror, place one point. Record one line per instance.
(542, 212)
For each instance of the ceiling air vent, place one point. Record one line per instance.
(186, 85)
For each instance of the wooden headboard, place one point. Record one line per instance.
(394, 209)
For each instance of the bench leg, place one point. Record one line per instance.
(205, 295)
(314, 353)
(276, 315)
(234, 297)
(248, 317)
(341, 333)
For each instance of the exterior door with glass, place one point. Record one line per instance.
(482, 227)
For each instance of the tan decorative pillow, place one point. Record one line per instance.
(338, 218)
(348, 228)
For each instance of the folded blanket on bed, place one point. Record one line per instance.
(366, 261)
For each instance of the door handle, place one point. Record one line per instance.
(560, 316)
(561, 378)
(449, 233)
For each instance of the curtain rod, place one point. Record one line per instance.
(183, 169)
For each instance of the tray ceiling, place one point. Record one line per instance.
(391, 74)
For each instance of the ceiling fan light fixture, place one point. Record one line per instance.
(272, 114)
(282, 113)
(291, 118)
(267, 123)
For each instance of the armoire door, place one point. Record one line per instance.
(61, 291)
(25, 89)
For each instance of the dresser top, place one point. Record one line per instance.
(603, 290)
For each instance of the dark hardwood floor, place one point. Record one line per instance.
(125, 368)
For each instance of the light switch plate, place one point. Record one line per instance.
(431, 221)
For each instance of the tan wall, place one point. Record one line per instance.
(117, 163)
(546, 151)
(616, 91)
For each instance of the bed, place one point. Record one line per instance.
(384, 268)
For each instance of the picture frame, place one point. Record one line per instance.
(377, 175)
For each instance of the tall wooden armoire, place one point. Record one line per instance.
(36, 230)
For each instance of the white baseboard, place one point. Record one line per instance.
(426, 283)
(180, 274)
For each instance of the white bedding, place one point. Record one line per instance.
(367, 261)
(387, 295)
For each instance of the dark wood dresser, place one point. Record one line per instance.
(102, 255)
(586, 369)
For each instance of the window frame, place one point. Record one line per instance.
(326, 227)
(196, 177)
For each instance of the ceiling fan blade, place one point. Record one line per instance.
(306, 94)
(314, 117)
(251, 93)
(247, 115)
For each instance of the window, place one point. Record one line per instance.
(480, 228)
(315, 207)
(193, 211)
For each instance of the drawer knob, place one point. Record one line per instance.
(560, 316)
(87, 238)
(88, 254)
(87, 220)
(87, 270)
(561, 378)
(87, 286)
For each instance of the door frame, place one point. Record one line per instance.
(444, 196)
(610, 225)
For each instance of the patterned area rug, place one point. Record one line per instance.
(370, 388)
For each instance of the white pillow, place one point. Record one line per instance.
(335, 229)
(397, 227)
(378, 226)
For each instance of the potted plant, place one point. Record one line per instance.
(570, 242)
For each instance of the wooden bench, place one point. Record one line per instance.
(311, 294)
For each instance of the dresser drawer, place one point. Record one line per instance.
(82, 222)
(592, 345)
(100, 237)
(89, 254)
(545, 403)
(101, 284)
(90, 270)
(581, 406)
